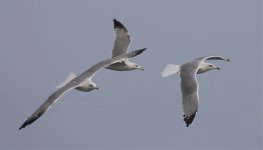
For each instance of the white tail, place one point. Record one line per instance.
(170, 69)
(71, 76)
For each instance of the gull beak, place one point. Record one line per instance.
(97, 88)
(217, 68)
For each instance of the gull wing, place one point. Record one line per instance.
(211, 58)
(189, 89)
(122, 39)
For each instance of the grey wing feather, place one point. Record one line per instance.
(189, 88)
(122, 39)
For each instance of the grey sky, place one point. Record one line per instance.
(41, 42)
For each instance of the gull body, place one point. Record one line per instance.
(189, 84)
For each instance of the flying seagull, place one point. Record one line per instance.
(121, 45)
(189, 84)
(82, 82)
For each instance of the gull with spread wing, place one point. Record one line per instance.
(189, 84)
(82, 82)
(121, 45)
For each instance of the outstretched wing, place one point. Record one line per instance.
(122, 39)
(189, 88)
(211, 58)
(47, 104)
(75, 83)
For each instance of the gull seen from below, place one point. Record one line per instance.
(121, 45)
(189, 84)
(82, 82)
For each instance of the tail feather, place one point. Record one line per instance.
(170, 69)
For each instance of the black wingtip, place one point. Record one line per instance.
(140, 51)
(23, 125)
(30, 120)
(189, 120)
(117, 24)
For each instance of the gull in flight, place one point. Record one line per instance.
(82, 82)
(189, 84)
(121, 45)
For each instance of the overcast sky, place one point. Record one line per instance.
(41, 42)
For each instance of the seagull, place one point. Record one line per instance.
(82, 82)
(189, 84)
(121, 45)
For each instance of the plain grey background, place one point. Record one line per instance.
(41, 42)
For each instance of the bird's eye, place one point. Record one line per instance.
(211, 66)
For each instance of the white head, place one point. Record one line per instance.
(204, 67)
(87, 86)
(93, 86)
(134, 66)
